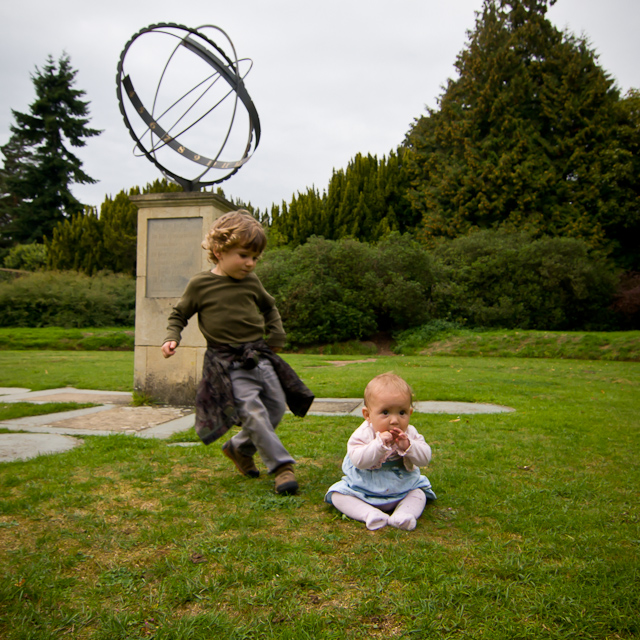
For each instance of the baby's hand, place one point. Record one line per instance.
(401, 438)
(386, 437)
(169, 348)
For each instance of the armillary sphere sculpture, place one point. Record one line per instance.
(169, 107)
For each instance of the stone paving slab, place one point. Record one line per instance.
(22, 446)
(107, 420)
(66, 394)
(457, 408)
(120, 419)
(336, 407)
(54, 432)
(9, 391)
(353, 406)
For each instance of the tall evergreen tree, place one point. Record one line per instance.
(17, 159)
(40, 183)
(527, 136)
(366, 201)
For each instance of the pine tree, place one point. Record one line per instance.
(527, 136)
(17, 159)
(40, 182)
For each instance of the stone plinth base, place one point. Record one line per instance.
(171, 227)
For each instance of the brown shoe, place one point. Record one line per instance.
(286, 484)
(245, 464)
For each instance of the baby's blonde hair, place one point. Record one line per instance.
(234, 229)
(385, 380)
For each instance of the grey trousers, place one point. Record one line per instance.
(261, 403)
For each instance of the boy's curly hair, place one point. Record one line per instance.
(234, 229)
(385, 380)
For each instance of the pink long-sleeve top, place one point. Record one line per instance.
(367, 450)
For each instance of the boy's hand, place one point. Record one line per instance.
(386, 437)
(169, 348)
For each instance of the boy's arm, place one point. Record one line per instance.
(276, 336)
(178, 320)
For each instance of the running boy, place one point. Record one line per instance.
(382, 484)
(243, 381)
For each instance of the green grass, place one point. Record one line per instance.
(13, 410)
(36, 370)
(61, 339)
(535, 533)
(439, 339)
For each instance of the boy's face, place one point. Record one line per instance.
(236, 263)
(388, 408)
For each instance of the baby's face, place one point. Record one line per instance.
(387, 409)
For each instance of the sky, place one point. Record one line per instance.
(330, 78)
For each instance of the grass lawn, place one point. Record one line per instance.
(535, 533)
(36, 370)
(581, 345)
(59, 338)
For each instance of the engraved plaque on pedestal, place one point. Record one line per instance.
(173, 255)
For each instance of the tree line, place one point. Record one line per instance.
(533, 135)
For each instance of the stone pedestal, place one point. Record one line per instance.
(171, 227)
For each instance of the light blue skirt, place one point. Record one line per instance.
(378, 487)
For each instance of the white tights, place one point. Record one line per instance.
(403, 516)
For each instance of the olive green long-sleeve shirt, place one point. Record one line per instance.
(229, 311)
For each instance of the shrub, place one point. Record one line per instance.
(509, 280)
(67, 299)
(332, 291)
(29, 257)
(627, 301)
(315, 287)
(405, 277)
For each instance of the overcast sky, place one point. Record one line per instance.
(330, 78)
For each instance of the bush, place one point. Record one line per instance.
(509, 280)
(67, 299)
(29, 257)
(405, 277)
(627, 301)
(315, 287)
(333, 291)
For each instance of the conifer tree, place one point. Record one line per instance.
(17, 159)
(527, 136)
(77, 244)
(366, 202)
(40, 182)
(119, 218)
(89, 242)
